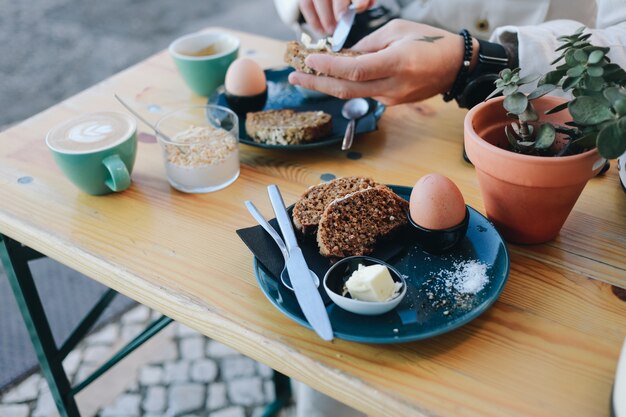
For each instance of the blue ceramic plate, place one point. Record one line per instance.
(420, 315)
(282, 95)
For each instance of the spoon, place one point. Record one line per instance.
(284, 276)
(353, 109)
(137, 115)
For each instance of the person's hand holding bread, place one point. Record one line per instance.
(401, 62)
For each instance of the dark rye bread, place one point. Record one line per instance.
(352, 225)
(287, 127)
(296, 53)
(309, 208)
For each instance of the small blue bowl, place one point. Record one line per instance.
(438, 241)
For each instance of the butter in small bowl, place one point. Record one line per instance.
(365, 285)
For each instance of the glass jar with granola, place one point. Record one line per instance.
(200, 148)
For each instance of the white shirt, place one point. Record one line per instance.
(533, 24)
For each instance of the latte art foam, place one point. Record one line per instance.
(91, 132)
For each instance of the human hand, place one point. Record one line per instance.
(323, 15)
(403, 62)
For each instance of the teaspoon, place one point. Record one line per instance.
(352, 109)
(284, 276)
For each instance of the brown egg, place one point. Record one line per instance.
(436, 203)
(245, 78)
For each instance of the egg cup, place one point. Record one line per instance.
(438, 241)
(336, 277)
(245, 104)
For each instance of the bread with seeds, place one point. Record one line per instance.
(352, 225)
(297, 52)
(309, 208)
(288, 127)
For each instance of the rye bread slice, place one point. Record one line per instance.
(296, 53)
(287, 127)
(354, 224)
(309, 208)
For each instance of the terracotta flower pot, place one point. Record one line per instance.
(528, 198)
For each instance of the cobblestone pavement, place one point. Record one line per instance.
(203, 378)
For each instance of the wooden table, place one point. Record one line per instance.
(548, 347)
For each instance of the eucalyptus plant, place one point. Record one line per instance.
(597, 107)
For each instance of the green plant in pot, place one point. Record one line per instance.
(534, 152)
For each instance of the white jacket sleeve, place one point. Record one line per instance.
(536, 43)
(288, 11)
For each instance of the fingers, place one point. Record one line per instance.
(366, 67)
(324, 9)
(310, 15)
(343, 89)
(339, 7)
(362, 5)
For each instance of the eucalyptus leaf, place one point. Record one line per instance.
(569, 58)
(545, 136)
(594, 84)
(509, 89)
(516, 103)
(595, 71)
(558, 108)
(620, 107)
(552, 77)
(570, 82)
(581, 56)
(612, 94)
(610, 142)
(526, 144)
(622, 123)
(494, 93)
(541, 90)
(590, 110)
(529, 79)
(595, 57)
(515, 127)
(614, 73)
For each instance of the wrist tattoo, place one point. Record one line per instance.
(429, 39)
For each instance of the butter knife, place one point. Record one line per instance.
(343, 28)
(306, 293)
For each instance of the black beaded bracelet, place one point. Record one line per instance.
(461, 77)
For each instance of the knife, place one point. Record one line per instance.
(306, 293)
(343, 28)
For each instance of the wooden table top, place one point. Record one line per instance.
(548, 347)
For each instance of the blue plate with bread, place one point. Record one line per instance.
(283, 96)
(434, 302)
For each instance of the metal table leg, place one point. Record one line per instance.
(15, 259)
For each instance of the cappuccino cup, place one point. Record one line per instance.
(96, 151)
(203, 58)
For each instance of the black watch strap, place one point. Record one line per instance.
(492, 58)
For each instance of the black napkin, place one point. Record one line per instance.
(266, 251)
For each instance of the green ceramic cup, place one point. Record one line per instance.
(96, 151)
(203, 58)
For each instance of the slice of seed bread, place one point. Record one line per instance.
(288, 127)
(309, 208)
(352, 225)
(296, 53)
